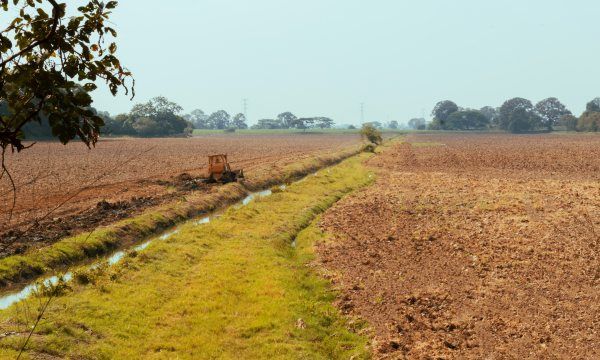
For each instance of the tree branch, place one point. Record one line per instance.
(55, 19)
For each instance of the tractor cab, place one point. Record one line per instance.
(220, 171)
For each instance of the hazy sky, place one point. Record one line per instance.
(325, 57)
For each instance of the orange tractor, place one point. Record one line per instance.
(220, 171)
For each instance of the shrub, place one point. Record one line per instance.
(371, 133)
(589, 121)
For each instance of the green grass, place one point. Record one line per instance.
(230, 289)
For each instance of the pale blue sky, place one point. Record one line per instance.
(325, 57)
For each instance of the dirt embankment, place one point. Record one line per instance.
(475, 247)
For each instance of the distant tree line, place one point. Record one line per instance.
(380, 126)
(157, 117)
(287, 120)
(220, 120)
(161, 117)
(516, 115)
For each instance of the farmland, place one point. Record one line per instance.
(82, 188)
(457, 246)
(474, 246)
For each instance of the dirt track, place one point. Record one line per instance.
(475, 247)
(123, 176)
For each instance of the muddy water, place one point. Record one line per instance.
(9, 299)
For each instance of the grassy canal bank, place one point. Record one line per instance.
(232, 288)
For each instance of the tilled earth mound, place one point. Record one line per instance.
(453, 261)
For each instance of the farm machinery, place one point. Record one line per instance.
(220, 171)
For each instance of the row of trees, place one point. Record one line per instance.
(217, 120)
(380, 126)
(287, 120)
(161, 117)
(157, 117)
(515, 115)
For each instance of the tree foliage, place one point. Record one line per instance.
(304, 123)
(466, 120)
(510, 106)
(157, 117)
(589, 121)
(268, 124)
(119, 125)
(287, 119)
(393, 124)
(219, 120)
(49, 62)
(569, 122)
(491, 113)
(239, 121)
(550, 110)
(417, 123)
(198, 119)
(443, 109)
(593, 105)
(323, 122)
(518, 121)
(157, 107)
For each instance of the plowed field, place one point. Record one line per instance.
(475, 247)
(86, 187)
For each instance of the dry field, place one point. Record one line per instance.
(475, 247)
(71, 182)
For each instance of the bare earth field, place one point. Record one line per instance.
(475, 247)
(72, 188)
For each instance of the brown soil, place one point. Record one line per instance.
(475, 247)
(63, 190)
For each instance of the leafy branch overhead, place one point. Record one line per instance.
(49, 63)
